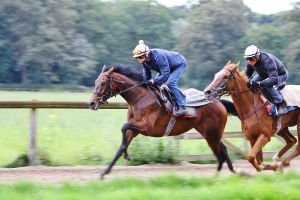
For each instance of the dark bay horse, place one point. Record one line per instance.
(257, 125)
(146, 117)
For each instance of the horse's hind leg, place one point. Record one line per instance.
(290, 141)
(219, 150)
(296, 152)
(127, 136)
(224, 152)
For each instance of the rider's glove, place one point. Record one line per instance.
(255, 84)
(149, 82)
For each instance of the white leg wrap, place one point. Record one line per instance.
(276, 158)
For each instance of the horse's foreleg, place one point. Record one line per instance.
(261, 141)
(127, 136)
(259, 157)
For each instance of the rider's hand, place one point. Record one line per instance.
(255, 84)
(149, 82)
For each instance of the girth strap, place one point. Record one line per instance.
(170, 126)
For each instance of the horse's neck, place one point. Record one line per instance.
(246, 101)
(133, 95)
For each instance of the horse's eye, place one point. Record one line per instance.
(102, 83)
(225, 77)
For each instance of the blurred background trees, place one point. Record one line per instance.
(50, 42)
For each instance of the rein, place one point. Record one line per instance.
(255, 111)
(108, 94)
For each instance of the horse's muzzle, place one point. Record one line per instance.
(211, 95)
(94, 105)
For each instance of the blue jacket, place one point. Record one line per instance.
(164, 62)
(268, 67)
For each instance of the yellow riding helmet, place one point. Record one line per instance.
(140, 50)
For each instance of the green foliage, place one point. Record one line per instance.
(264, 187)
(20, 161)
(156, 151)
(48, 42)
(292, 51)
(209, 38)
(269, 38)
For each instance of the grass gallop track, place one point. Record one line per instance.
(185, 181)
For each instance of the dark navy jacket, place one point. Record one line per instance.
(268, 67)
(164, 62)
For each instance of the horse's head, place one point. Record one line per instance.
(223, 82)
(103, 89)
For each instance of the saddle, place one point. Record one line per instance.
(291, 96)
(169, 101)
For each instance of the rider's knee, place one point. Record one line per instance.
(171, 84)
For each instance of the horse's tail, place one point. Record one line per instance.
(229, 107)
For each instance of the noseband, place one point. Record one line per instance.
(222, 89)
(108, 92)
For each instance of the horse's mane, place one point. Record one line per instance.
(127, 70)
(241, 74)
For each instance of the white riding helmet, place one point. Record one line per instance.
(251, 51)
(141, 49)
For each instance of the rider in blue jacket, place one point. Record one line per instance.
(271, 72)
(168, 64)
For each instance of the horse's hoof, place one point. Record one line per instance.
(128, 158)
(276, 158)
(241, 172)
(102, 177)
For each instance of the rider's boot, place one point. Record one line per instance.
(180, 111)
(281, 109)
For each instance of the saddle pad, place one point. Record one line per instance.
(189, 113)
(195, 98)
(271, 109)
(291, 95)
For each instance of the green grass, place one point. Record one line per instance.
(77, 136)
(269, 187)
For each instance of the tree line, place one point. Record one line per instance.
(55, 42)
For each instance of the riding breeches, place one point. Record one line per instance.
(272, 93)
(172, 85)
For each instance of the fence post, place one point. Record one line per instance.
(32, 137)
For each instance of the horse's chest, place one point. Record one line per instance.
(253, 129)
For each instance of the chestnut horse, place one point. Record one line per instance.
(257, 125)
(146, 117)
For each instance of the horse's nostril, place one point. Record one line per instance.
(207, 92)
(92, 104)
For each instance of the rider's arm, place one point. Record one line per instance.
(272, 73)
(164, 69)
(147, 73)
(248, 70)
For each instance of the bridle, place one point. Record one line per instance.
(222, 91)
(108, 92)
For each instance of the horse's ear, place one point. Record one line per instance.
(103, 68)
(229, 62)
(238, 64)
(110, 70)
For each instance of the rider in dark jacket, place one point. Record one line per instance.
(168, 64)
(271, 72)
